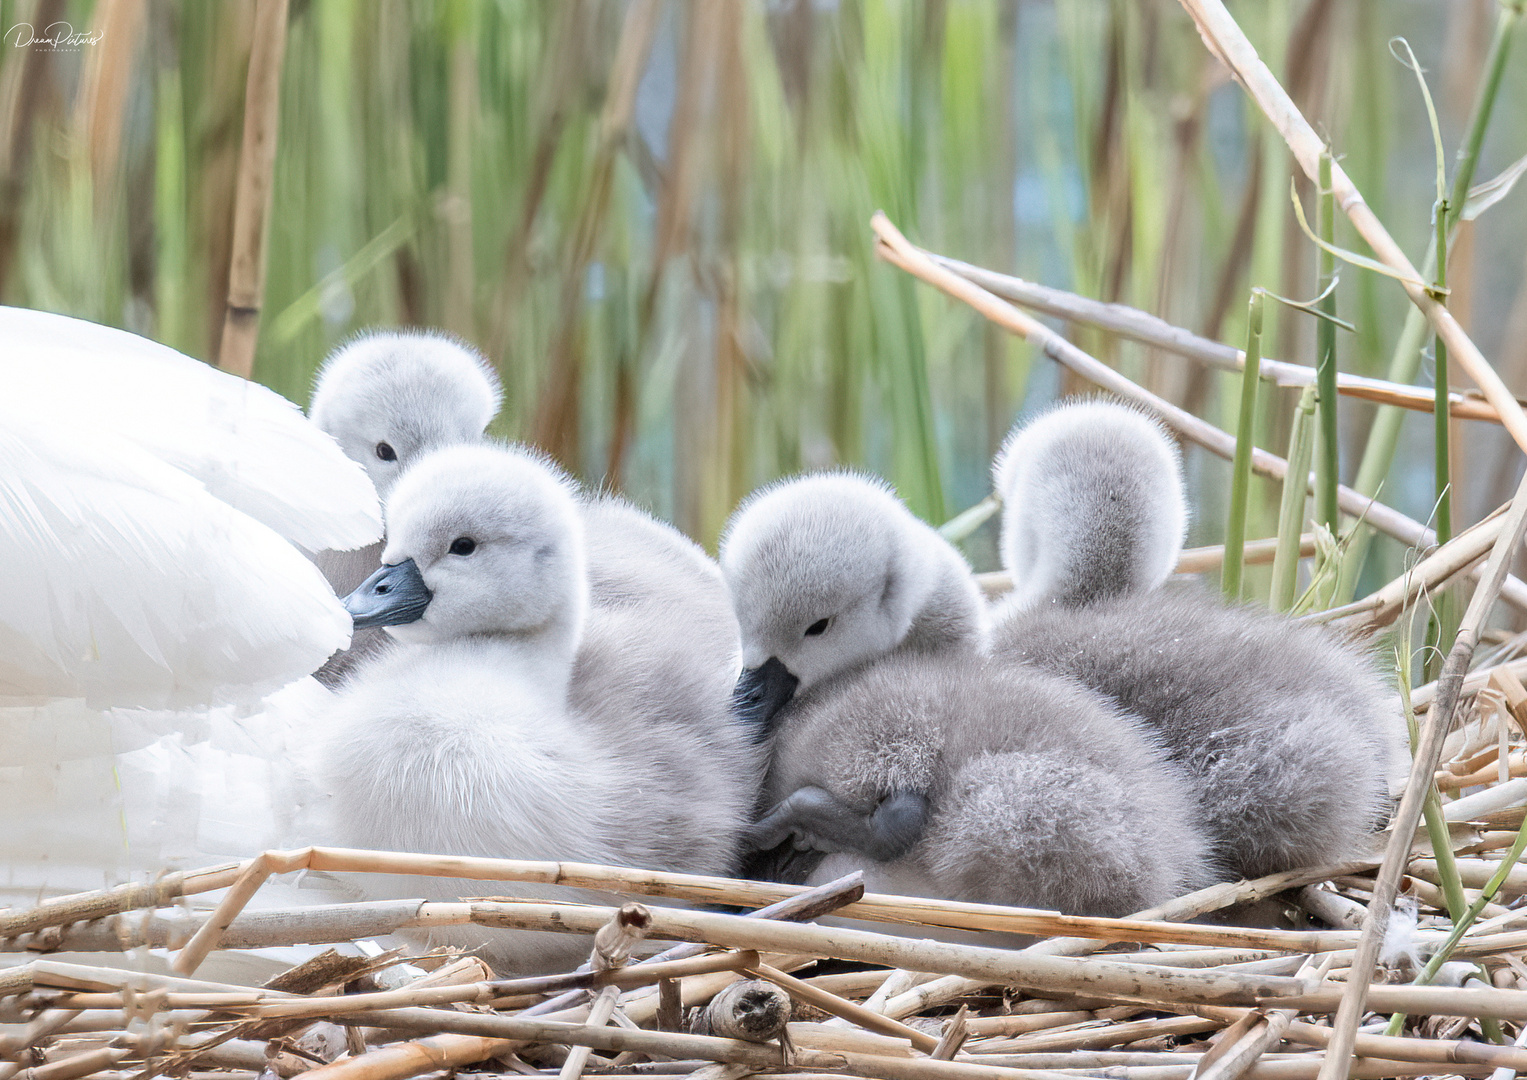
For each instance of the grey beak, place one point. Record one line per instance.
(760, 694)
(390, 597)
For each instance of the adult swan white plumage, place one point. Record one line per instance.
(149, 508)
(149, 505)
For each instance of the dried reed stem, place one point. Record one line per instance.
(251, 203)
(701, 889)
(1382, 606)
(1148, 329)
(840, 1007)
(1192, 561)
(895, 249)
(1428, 751)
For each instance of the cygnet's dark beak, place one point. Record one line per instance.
(760, 694)
(390, 597)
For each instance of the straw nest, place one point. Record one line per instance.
(772, 989)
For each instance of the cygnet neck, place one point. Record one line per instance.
(541, 657)
(952, 614)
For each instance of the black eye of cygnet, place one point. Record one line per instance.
(818, 628)
(463, 545)
(386, 452)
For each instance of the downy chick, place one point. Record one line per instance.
(513, 720)
(898, 750)
(388, 398)
(1291, 736)
(831, 571)
(950, 776)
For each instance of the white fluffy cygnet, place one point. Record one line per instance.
(516, 719)
(388, 398)
(898, 750)
(831, 571)
(1093, 505)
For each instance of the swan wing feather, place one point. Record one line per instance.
(251, 447)
(129, 583)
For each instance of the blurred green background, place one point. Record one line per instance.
(678, 284)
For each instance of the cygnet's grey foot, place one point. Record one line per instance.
(816, 820)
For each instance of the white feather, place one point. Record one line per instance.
(253, 449)
(128, 583)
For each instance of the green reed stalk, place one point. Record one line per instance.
(1443, 626)
(1240, 475)
(1285, 568)
(1436, 831)
(1328, 464)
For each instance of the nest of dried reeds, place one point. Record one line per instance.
(773, 990)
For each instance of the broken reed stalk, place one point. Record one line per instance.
(256, 180)
(1225, 39)
(1285, 571)
(1240, 469)
(840, 1007)
(612, 948)
(81, 907)
(1428, 750)
(895, 249)
(1147, 329)
(751, 1009)
(1328, 465)
(1385, 604)
(1232, 1057)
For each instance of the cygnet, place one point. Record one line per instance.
(1290, 734)
(515, 719)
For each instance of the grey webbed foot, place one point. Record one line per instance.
(817, 820)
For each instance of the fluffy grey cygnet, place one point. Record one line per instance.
(953, 777)
(1290, 734)
(388, 398)
(517, 720)
(831, 571)
(1093, 505)
(898, 750)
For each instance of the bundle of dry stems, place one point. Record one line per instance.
(772, 990)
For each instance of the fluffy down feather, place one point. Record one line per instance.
(1040, 794)
(531, 712)
(1291, 737)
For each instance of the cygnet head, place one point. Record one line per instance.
(482, 541)
(390, 398)
(1092, 504)
(830, 571)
